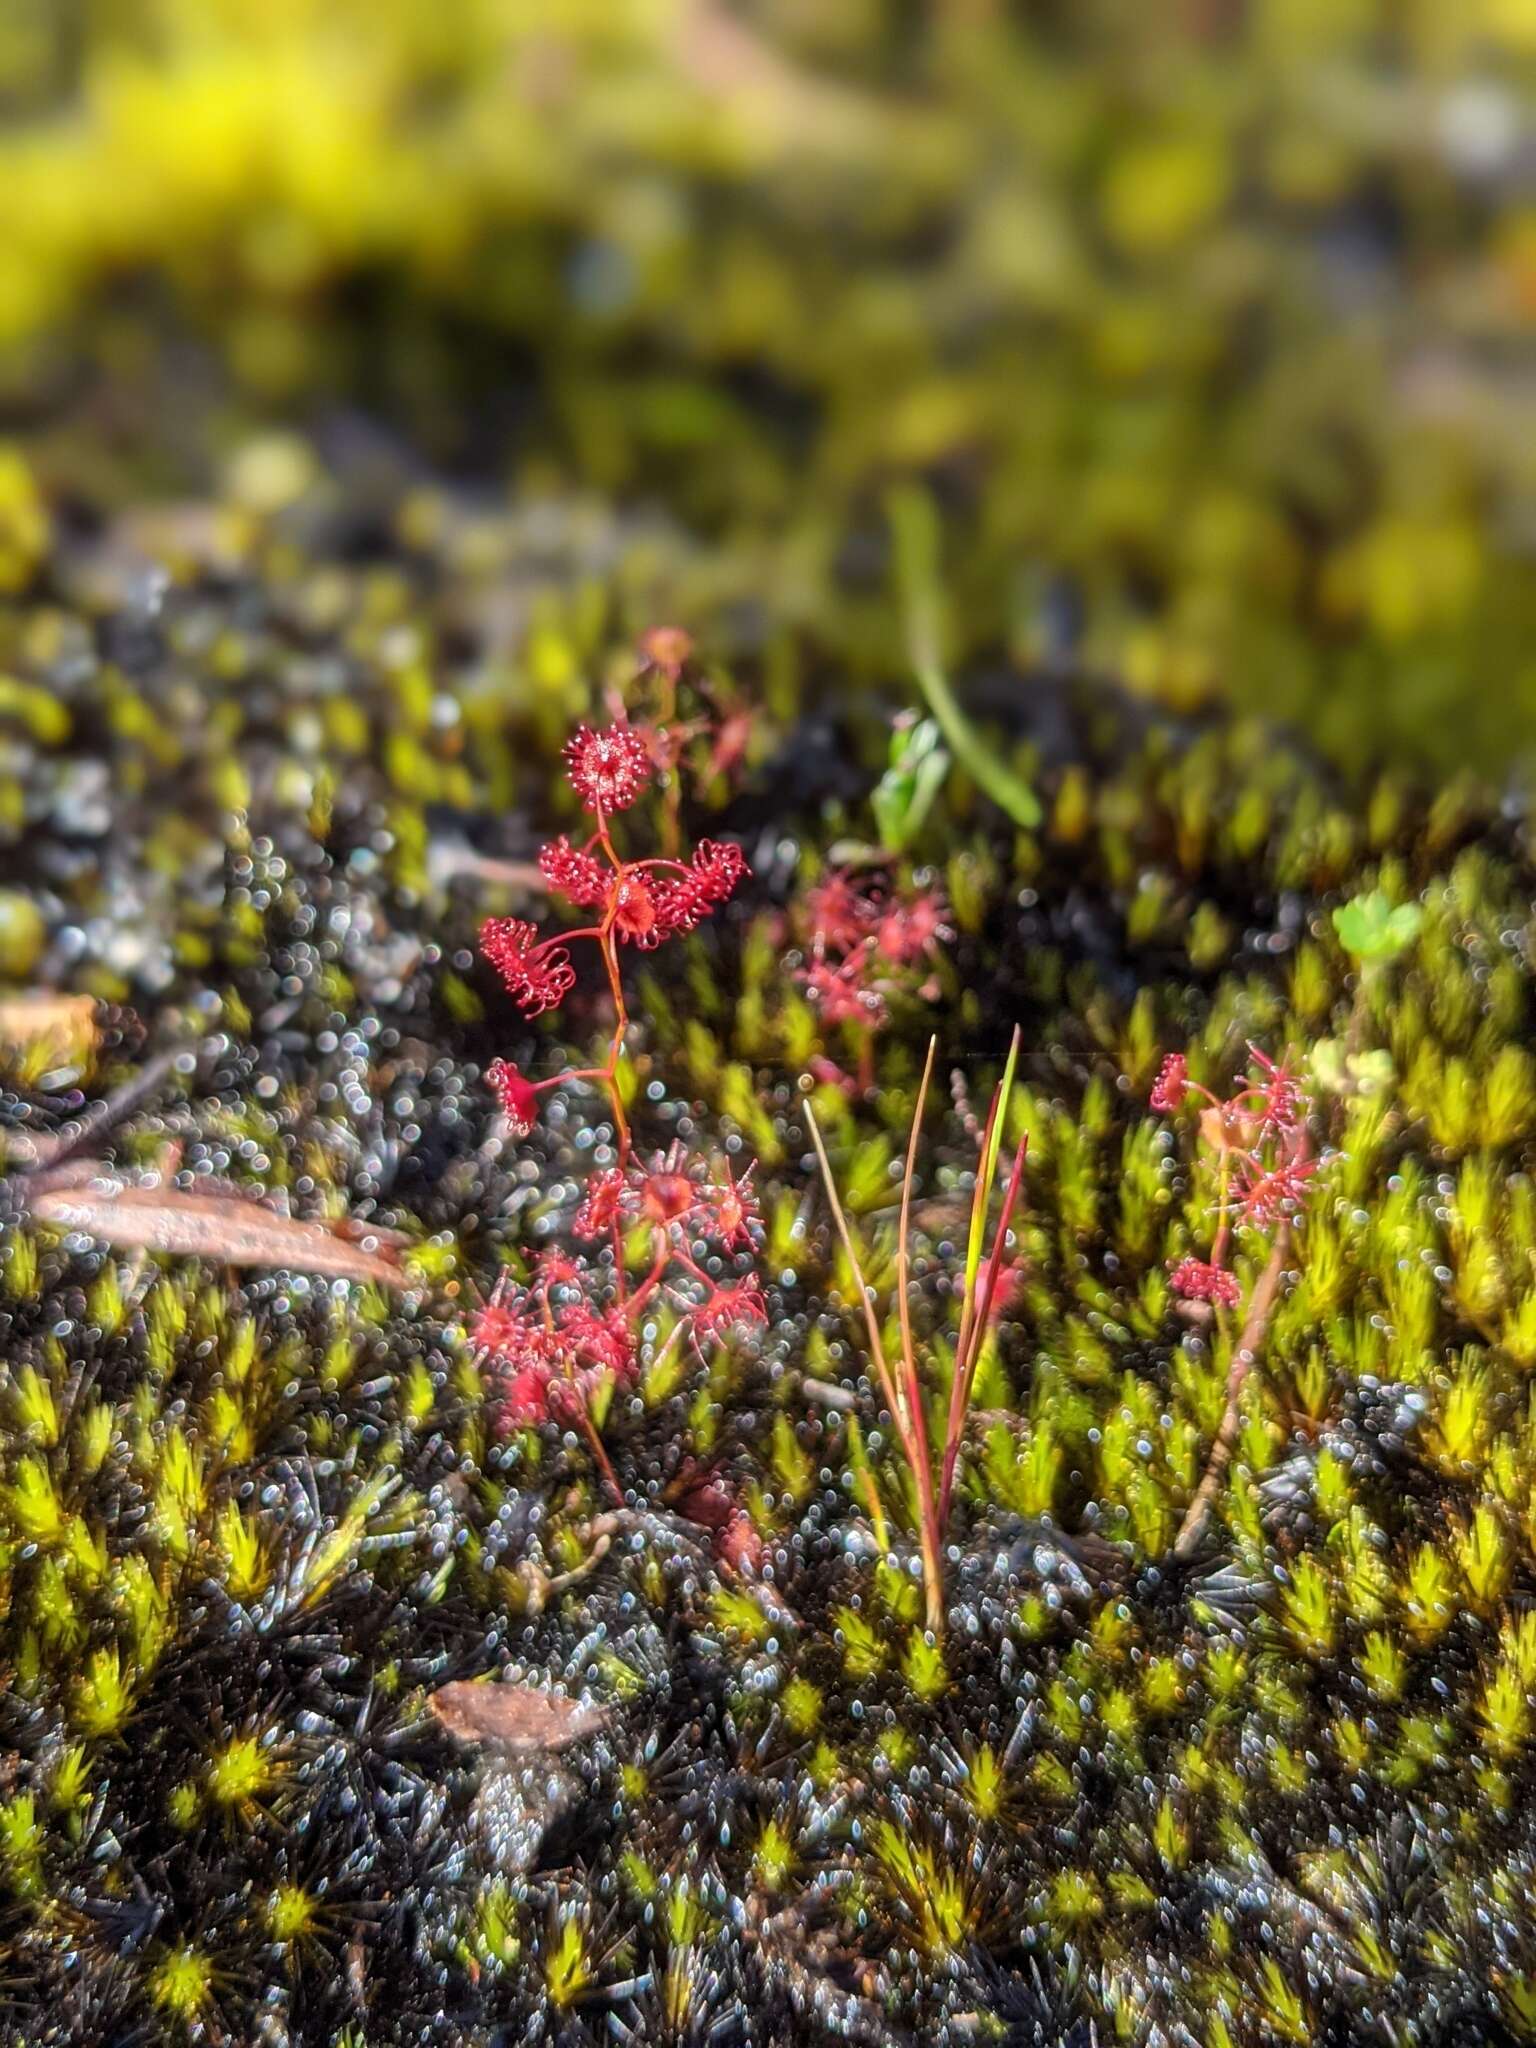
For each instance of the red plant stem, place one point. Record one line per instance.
(604, 1464)
(610, 953)
(968, 1306)
(652, 1279)
(616, 1048)
(1260, 1309)
(866, 1077)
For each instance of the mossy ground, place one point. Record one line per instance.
(1280, 1795)
(1204, 329)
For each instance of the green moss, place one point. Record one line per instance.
(181, 1983)
(241, 1774)
(248, 1522)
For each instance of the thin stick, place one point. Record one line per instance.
(42, 1152)
(1260, 1309)
(871, 1323)
(600, 1456)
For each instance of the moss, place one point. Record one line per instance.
(249, 1520)
(241, 1774)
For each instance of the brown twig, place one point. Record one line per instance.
(60, 1182)
(42, 1154)
(600, 1456)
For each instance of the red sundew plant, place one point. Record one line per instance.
(1259, 1151)
(712, 742)
(866, 941)
(578, 1324)
(639, 903)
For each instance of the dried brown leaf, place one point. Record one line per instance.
(199, 1226)
(69, 1021)
(514, 1717)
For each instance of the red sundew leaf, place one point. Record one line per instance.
(515, 1717)
(230, 1232)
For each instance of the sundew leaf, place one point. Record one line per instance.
(914, 528)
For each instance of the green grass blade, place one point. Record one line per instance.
(992, 1145)
(915, 531)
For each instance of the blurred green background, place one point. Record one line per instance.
(1209, 324)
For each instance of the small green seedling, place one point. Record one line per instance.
(905, 794)
(915, 532)
(1373, 930)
